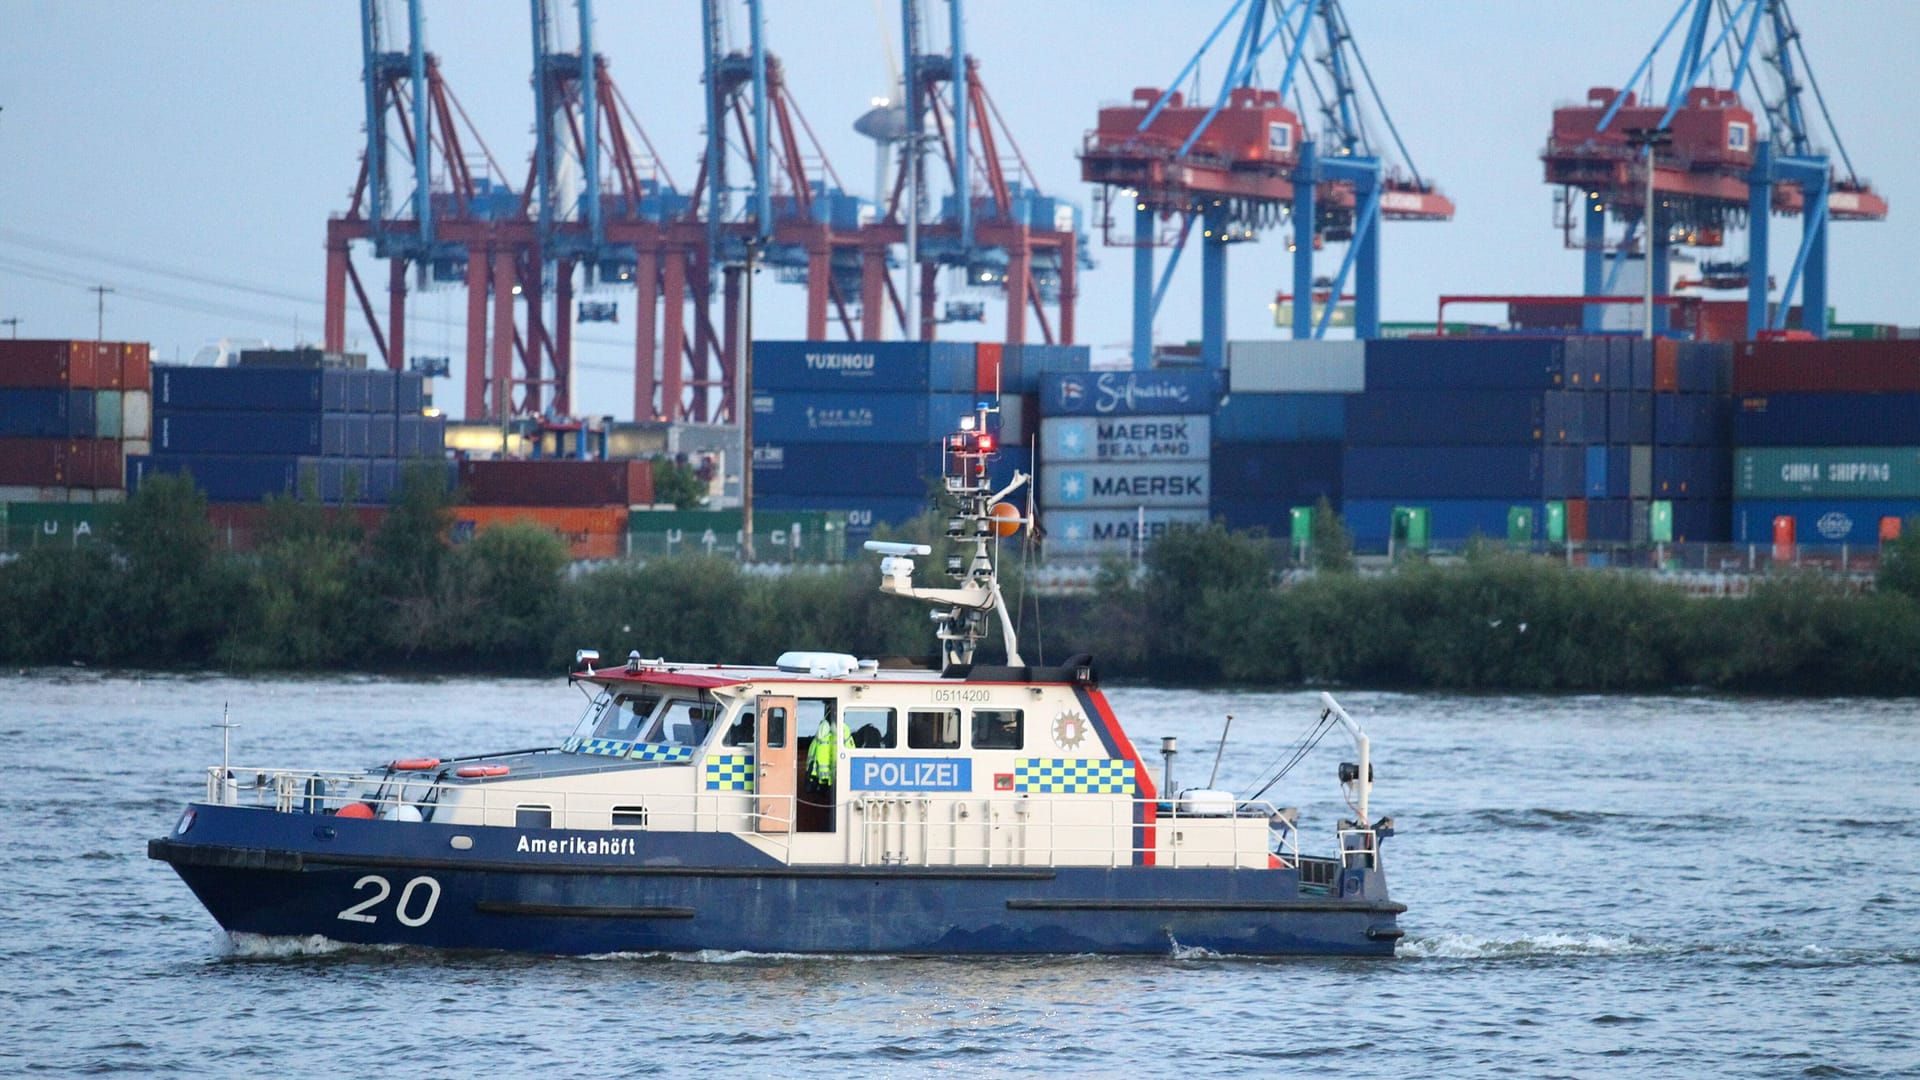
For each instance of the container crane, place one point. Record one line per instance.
(1000, 232)
(1717, 173)
(466, 228)
(1243, 164)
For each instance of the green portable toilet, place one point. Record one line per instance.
(1300, 527)
(1519, 526)
(1660, 522)
(1410, 527)
(1556, 523)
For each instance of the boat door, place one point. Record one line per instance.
(775, 764)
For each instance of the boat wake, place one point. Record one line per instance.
(1549, 944)
(244, 946)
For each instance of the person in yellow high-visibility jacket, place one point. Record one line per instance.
(821, 756)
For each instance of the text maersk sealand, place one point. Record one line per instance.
(825, 804)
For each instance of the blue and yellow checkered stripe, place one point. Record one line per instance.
(1074, 776)
(730, 772)
(661, 752)
(603, 747)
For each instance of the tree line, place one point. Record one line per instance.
(1204, 606)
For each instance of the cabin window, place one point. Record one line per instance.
(777, 726)
(813, 713)
(682, 723)
(872, 728)
(629, 817)
(999, 729)
(617, 717)
(1279, 136)
(533, 817)
(740, 732)
(933, 729)
(1737, 133)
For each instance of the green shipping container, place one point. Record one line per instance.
(797, 536)
(28, 524)
(1838, 472)
(106, 414)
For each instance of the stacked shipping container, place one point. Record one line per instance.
(244, 433)
(1124, 457)
(69, 412)
(1826, 441)
(1277, 435)
(856, 427)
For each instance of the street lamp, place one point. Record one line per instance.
(1650, 140)
(743, 409)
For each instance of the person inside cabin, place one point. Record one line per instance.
(823, 754)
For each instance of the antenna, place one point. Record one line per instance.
(226, 726)
(1215, 774)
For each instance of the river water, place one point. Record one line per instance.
(1662, 886)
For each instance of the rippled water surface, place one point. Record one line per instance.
(1598, 886)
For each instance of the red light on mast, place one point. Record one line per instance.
(985, 442)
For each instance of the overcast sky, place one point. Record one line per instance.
(188, 154)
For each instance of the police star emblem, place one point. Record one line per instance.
(1069, 729)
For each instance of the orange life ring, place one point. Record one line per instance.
(472, 772)
(414, 764)
(355, 810)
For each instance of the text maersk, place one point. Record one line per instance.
(1136, 486)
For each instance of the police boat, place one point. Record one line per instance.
(825, 804)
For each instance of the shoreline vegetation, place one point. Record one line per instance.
(1207, 608)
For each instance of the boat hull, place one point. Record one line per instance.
(576, 892)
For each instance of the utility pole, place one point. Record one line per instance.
(1650, 140)
(14, 323)
(100, 311)
(743, 405)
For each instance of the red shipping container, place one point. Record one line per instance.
(105, 468)
(595, 533)
(42, 462)
(47, 365)
(1866, 367)
(1666, 365)
(1576, 521)
(136, 366)
(986, 366)
(558, 482)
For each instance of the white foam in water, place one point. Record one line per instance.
(271, 947)
(1474, 947)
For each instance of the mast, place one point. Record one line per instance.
(980, 520)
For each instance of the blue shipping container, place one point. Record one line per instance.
(1701, 521)
(1598, 460)
(1446, 417)
(1826, 420)
(1563, 472)
(1692, 472)
(1442, 472)
(229, 478)
(1565, 417)
(1629, 417)
(1704, 367)
(1482, 363)
(865, 366)
(1268, 418)
(1291, 474)
(1610, 520)
(1585, 367)
(1619, 473)
(409, 392)
(1130, 393)
(267, 433)
(1820, 521)
(1619, 365)
(48, 414)
(784, 416)
(251, 389)
(846, 469)
(1448, 520)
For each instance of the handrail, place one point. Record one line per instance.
(904, 829)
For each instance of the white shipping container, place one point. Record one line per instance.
(1125, 438)
(136, 414)
(1296, 367)
(1112, 532)
(1093, 485)
(19, 493)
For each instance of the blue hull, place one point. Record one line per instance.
(599, 892)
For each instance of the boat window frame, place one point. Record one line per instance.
(947, 713)
(1019, 729)
(890, 734)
